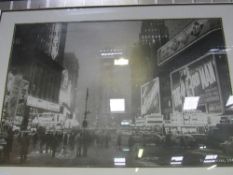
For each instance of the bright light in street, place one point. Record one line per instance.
(117, 105)
(121, 62)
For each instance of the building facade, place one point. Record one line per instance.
(37, 57)
(143, 62)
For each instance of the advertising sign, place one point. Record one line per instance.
(193, 32)
(197, 79)
(150, 97)
(17, 88)
(43, 104)
(65, 90)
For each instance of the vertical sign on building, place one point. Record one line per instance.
(17, 88)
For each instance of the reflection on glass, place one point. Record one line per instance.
(119, 161)
(202, 147)
(212, 167)
(176, 160)
(210, 158)
(140, 153)
(121, 62)
(117, 105)
(190, 103)
(229, 101)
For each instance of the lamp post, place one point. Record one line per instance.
(85, 123)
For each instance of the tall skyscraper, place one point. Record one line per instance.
(143, 61)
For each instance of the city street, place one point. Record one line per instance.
(96, 157)
(130, 93)
(111, 155)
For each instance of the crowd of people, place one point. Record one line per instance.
(58, 144)
(52, 143)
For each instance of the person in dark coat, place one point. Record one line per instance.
(35, 139)
(119, 141)
(54, 143)
(78, 145)
(9, 144)
(85, 141)
(24, 141)
(130, 142)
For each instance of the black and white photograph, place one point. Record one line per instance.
(120, 93)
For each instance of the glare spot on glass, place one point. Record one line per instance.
(176, 160)
(190, 103)
(202, 147)
(136, 170)
(126, 149)
(212, 167)
(121, 62)
(176, 163)
(120, 161)
(140, 153)
(229, 101)
(47, 3)
(117, 105)
(211, 158)
(29, 2)
(111, 54)
(217, 50)
(125, 123)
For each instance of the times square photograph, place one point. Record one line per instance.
(137, 93)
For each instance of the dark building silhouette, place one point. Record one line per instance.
(37, 54)
(37, 60)
(153, 35)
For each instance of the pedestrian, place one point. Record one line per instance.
(130, 142)
(106, 139)
(24, 141)
(54, 143)
(72, 141)
(78, 145)
(48, 142)
(35, 139)
(85, 140)
(65, 140)
(119, 141)
(9, 144)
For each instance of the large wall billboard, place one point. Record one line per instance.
(150, 97)
(198, 78)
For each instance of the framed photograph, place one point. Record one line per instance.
(123, 88)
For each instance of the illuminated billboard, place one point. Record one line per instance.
(198, 78)
(150, 97)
